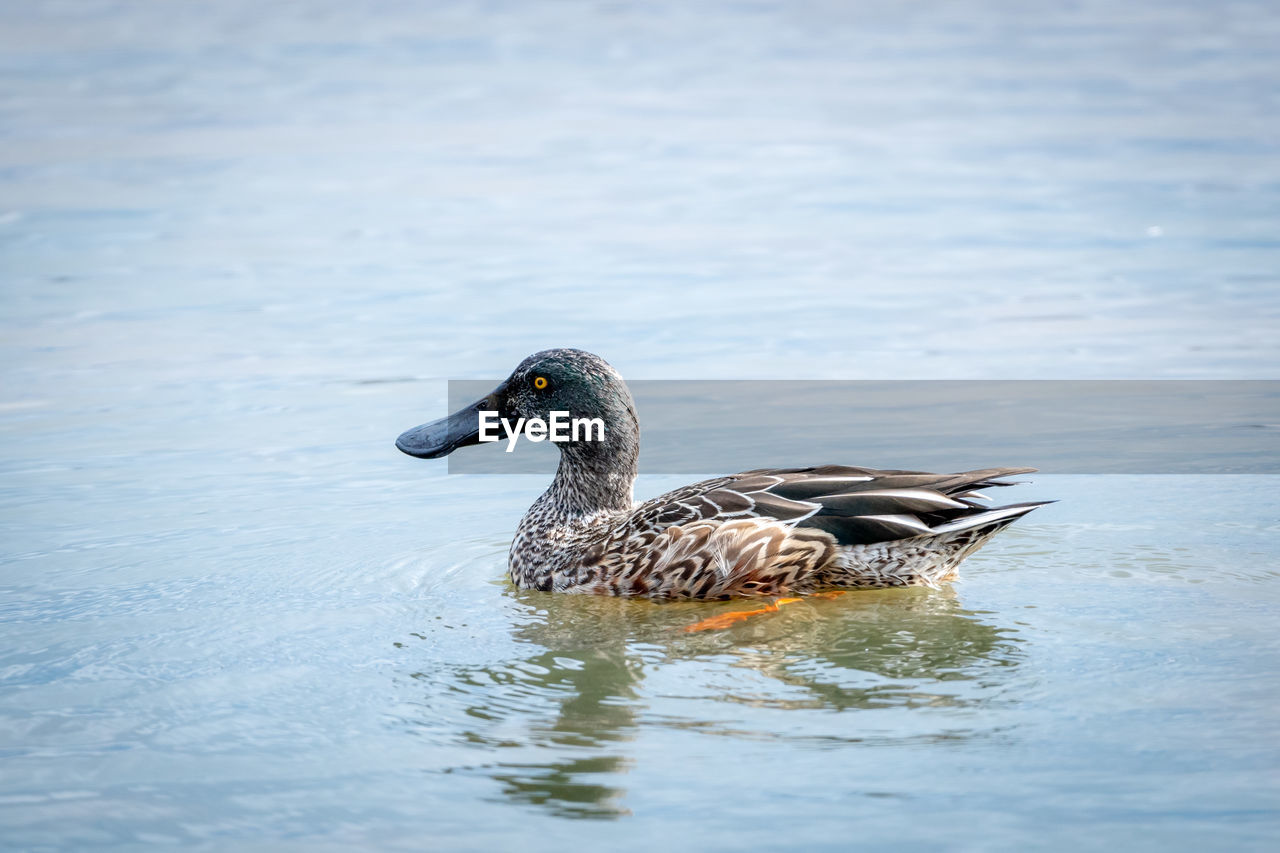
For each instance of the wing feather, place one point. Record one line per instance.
(856, 505)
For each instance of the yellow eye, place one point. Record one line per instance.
(540, 382)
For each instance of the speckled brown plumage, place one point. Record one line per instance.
(741, 535)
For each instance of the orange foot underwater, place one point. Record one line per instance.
(726, 620)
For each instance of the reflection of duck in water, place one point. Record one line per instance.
(596, 710)
(906, 635)
(765, 532)
(556, 723)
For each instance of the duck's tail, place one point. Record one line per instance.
(994, 518)
(925, 560)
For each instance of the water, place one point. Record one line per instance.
(241, 250)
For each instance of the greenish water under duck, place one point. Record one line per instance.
(239, 260)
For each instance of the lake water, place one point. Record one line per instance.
(243, 247)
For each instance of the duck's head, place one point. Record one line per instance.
(551, 381)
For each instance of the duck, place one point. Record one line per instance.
(764, 532)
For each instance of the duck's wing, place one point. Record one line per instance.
(857, 506)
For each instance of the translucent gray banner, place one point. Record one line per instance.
(1060, 427)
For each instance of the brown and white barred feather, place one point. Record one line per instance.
(770, 532)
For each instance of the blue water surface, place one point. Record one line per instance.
(244, 245)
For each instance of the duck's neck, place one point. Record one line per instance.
(593, 478)
(597, 476)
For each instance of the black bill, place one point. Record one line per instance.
(461, 429)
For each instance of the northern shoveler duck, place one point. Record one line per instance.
(771, 531)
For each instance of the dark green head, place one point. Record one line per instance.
(555, 380)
